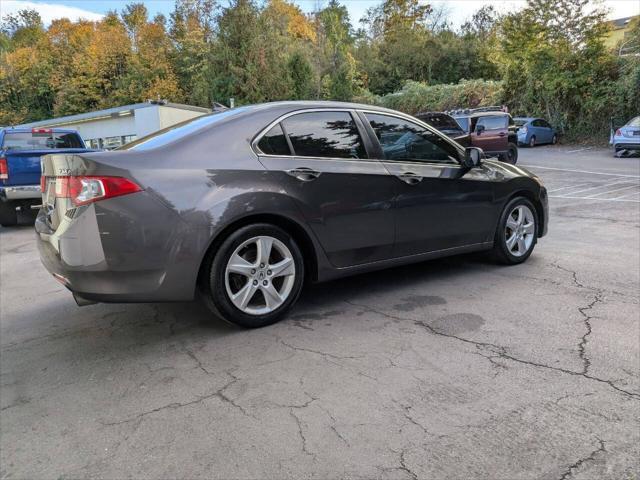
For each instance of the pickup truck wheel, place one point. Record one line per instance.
(8, 214)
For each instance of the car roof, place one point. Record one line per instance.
(312, 104)
(480, 114)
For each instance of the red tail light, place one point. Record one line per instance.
(618, 133)
(88, 189)
(41, 130)
(4, 170)
(43, 183)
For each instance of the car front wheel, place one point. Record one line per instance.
(517, 232)
(532, 141)
(256, 276)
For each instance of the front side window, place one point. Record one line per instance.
(274, 143)
(463, 122)
(402, 140)
(494, 122)
(324, 134)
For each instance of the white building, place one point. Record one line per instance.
(113, 127)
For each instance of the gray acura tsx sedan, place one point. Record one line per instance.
(241, 207)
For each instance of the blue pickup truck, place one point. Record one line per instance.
(20, 152)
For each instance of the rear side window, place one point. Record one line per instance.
(406, 141)
(274, 143)
(492, 122)
(325, 134)
(40, 141)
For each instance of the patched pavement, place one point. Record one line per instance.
(455, 368)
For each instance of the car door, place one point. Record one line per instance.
(439, 204)
(547, 131)
(490, 133)
(344, 196)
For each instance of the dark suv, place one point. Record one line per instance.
(494, 132)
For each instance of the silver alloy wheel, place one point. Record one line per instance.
(520, 230)
(260, 275)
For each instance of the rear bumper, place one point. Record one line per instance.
(123, 249)
(626, 145)
(19, 192)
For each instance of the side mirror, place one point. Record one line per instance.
(480, 129)
(472, 157)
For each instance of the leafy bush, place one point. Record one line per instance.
(417, 97)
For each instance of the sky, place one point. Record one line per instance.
(458, 10)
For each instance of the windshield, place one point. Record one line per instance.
(520, 122)
(179, 130)
(463, 122)
(40, 141)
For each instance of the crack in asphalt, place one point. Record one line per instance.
(500, 352)
(586, 363)
(299, 422)
(318, 352)
(176, 405)
(592, 456)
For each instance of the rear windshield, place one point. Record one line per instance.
(635, 122)
(179, 130)
(441, 122)
(40, 141)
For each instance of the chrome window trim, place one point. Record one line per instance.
(409, 118)
(261, 133)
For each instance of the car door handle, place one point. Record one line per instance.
(410, 178)
(501, 134)
(303, 174)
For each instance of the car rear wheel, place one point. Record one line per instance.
(256, 276)
(511, 155)
(517, 232)
(532, 141)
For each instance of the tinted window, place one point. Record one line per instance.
(325, 134)
(545, 124)
(179, 130)
(493, 122)
(40, 141)
(274, 143)
(440, 121)
(520, 122)
(537, 123)
(405, 141)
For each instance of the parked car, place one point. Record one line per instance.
(244, 205)
(627, 137)
(492, 131)
(446, 124)
(20, 153)
(535, 131)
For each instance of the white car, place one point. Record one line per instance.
(627, 137)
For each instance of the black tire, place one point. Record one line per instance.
(217, 297)
(501, 252)
(511, 155)
(8, 214)
(532, 141)
(554, 139)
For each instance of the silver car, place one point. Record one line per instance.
(627, 137)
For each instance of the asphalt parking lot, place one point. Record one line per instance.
(455, 368)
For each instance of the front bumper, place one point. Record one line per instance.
(20, 192)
